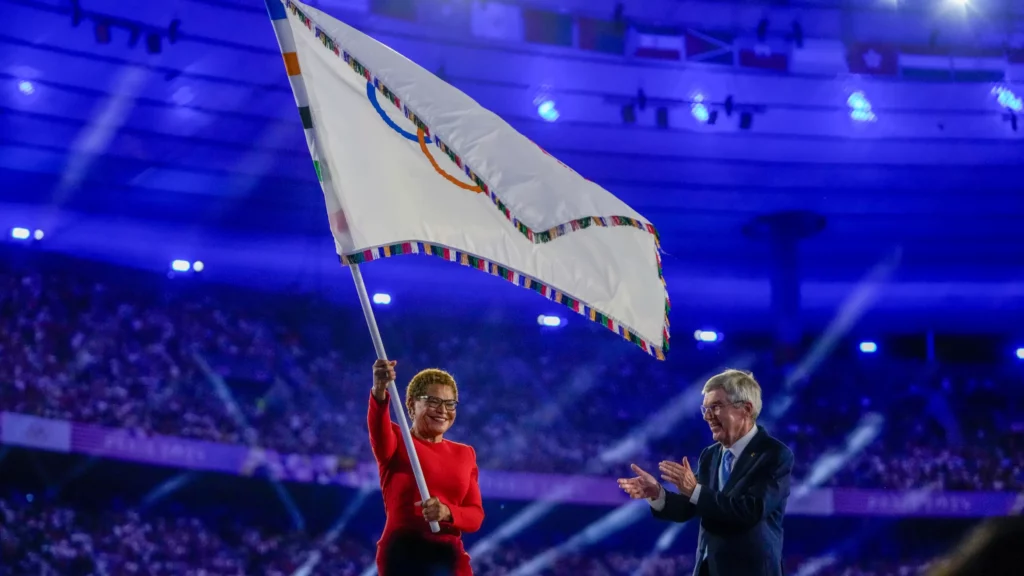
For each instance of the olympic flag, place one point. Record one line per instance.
(411, 165)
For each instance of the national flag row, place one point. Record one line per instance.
(493, 20)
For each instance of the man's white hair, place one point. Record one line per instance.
(739, 386)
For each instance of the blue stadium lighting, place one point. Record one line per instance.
(858, 101)
(26, 87)
(382, 299)
(699, 110)
(860, 108)
(1020, 353)
(181, 265)
(38, 234)
(549, 321)
(198, 266)
(1007, 99)
(705, 336)
(863, 115)
(547, 110)
(868, 347)
(20, 233)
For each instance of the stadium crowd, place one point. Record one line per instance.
(197, 361)
(44, 539)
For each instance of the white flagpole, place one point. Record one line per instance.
(286, 42)
(396, 402)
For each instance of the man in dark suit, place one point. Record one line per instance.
(739, 491)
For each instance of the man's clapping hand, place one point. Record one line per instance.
(642, 486)
(680, 475)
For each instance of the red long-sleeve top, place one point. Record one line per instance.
(450, 471)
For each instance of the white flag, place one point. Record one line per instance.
(411, 165)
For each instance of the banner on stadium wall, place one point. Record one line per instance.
(62, 436)
(35, 432)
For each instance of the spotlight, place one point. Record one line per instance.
(181, 265)
(629, 114)
(868, 347)
(20, 233)
(382, 299)
(547, 111)
(863, 115)
(705, 336)
(198, 266)
(26, 88)
(38, 234)
(1007, 99)
(857, 101)
(549, 321)
(153, 43)
(860, 108)
(700, 111)
(1020, 353)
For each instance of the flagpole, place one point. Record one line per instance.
(286, 42)
(396, 402)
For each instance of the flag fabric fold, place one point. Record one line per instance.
(411, 165)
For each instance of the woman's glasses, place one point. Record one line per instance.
(435, 402)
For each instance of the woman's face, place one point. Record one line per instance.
(434, 411)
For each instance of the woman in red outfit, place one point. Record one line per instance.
(448, 467)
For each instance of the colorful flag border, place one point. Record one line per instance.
(509, 275)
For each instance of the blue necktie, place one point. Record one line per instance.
(723, 478)
(727, 459)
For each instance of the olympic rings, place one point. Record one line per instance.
(420, 136)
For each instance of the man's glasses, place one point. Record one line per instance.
(716, 408)
(435, 402)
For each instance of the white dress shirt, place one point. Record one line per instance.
(736, 449)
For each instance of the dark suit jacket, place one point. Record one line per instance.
(740, 523)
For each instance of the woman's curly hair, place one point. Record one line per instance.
(425, 379)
